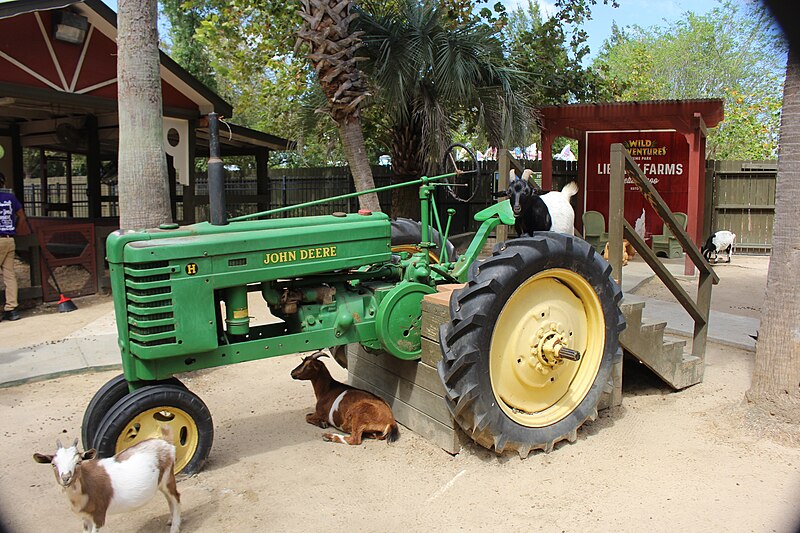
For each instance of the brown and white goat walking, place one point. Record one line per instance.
(127, 481)
(356, 411)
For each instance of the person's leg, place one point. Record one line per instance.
(7, 249)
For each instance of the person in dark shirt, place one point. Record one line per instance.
(11, 216)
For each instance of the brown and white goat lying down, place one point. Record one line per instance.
(127, 481)
(356, 411)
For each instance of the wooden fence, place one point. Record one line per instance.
(740, 196)
(292, 186)
(743, 201)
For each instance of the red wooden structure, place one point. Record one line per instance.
(687, 118)
(58, 104)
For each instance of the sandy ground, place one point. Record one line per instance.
(665, 461)
(740, 291)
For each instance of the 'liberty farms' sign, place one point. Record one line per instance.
(663, 156)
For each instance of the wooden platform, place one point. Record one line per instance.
(413, 388)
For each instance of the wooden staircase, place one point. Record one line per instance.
(663, 355)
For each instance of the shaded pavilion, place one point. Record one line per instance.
(59, 132)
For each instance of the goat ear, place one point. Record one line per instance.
(89, 454)
(42, 458)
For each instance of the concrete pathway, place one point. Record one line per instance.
(723, 328)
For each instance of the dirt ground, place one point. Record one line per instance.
(688, 461)
(740, 291)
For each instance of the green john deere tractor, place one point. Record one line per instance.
(529, 349)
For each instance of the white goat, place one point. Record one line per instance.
(721, 241)
(117, 484)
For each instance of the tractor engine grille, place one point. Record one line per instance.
(148, 292)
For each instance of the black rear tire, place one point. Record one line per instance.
(504, 388)
(141, 414)
(409, 232)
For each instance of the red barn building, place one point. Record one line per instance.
(59, 132)
(666, 138)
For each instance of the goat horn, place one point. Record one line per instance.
(58, 444)
(75, 444)
(319, 354)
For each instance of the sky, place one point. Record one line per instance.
(645, 13)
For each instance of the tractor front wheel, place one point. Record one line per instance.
(141, 414)
(531, 343)
(113, 391)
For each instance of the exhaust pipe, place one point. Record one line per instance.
(216, 175)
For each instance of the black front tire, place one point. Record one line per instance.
(503, 388)
(141, 415)
(103, 400)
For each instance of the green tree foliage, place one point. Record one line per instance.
(728, 53)
(184, 48)
(433, 76)
(430, 77)
(552, 56)
(250, 49)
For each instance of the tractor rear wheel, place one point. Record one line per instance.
(407, 233)
(531, 343)
(109, 394)
(141, 414)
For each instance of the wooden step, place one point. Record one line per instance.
(665, 356)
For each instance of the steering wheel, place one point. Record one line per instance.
(461, 160)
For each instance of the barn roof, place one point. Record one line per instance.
(104, 20)
(574, 119)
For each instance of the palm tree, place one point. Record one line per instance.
(776, 376)
(143, 187)
(431, 76)
(333, 46)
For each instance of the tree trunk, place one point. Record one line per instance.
(143, 187)
(776, 376)
(408, 164)
(356, 152)
(405, 201)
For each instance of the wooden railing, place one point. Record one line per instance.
(698, 309)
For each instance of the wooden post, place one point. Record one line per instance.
(547, 161)
(189, 190)
(171, 185)
(262, 178)
(43, 182)
(579, 200)
(503, 168)
(616, 210)
(705, 283)
(93, 168)
(18, 166)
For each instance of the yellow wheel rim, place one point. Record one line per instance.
(532, 384)
(412, 249)
(147, 425)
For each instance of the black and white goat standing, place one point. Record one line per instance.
(551, 211)
(721, 241)
(127, 481)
